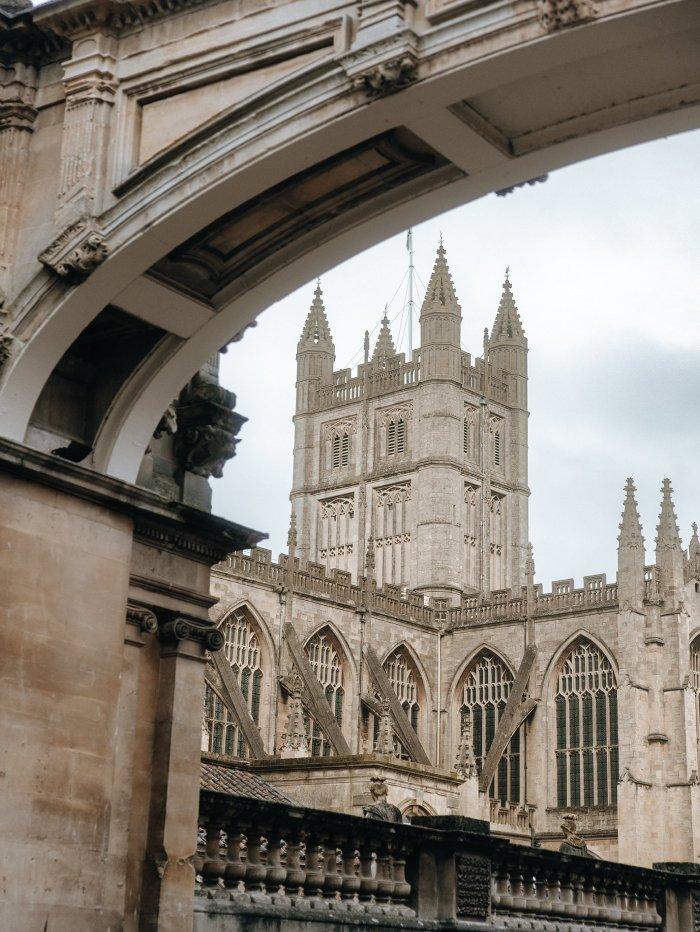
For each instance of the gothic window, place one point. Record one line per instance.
(325, 657)
(242, 650)
(497, 534)
(396, 437)
(695, 680)
(484, 694)
(404, 678)
(392, 534)
(586, 729)
(341, 450)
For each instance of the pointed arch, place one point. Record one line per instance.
(420, 667)
(342, 642)
(331, 662)
(471, 657)
(551, 670)
(582, 682)
(480, 691)
(410, 682)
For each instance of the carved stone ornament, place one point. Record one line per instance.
(558, 14)
(77, 251)
(207, 428)
(473, 885)
(183, 629)
(5, 348)
(388, 77)
(142, 618)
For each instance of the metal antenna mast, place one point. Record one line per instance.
(409, 246)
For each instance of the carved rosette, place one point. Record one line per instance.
(558, 14)
(207, 428)
(76, 252)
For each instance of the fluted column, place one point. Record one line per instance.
(17, 116)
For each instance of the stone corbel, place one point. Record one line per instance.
(77, 251)
(558, 14)
(388, 77)
(141, 622)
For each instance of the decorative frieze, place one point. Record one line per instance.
(77, 251)
(558, 14)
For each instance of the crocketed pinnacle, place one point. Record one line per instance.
(292, 534)
(316, 332)
(694, 545)
(667, 535)
(630, 527)
(440, 293)
(507, 325)
(384, 347)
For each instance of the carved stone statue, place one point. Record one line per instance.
(381, 809)
(573, 843)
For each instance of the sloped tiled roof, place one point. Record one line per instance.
(239, 783)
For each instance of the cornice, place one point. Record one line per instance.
(172, 526)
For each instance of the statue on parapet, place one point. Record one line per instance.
(380, 808)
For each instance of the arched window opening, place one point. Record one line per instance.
(484, 695)
(242, 650)
(467, 437)
(497, 448)
(325, 658)
(395, 437)
(695, 681)
(586, 729)
(403, 677)
(341, 450)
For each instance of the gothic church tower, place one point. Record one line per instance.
(416, 468)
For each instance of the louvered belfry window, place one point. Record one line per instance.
(341, 450)
(395, 437)
(586, 729)
(324, 657)
(242, 650)
(497, 448)
(485, 692)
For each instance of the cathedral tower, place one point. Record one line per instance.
(424, 460)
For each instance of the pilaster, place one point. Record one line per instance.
(18, 84)
(90, 85)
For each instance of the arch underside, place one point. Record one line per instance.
(205, 234)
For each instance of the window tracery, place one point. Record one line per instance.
(497, 526)
(404, 678)
(392, 534)
(336, 533)
(326, 660)
(484, 694)
(586, 729)
(242, 651)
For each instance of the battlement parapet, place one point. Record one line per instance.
(307, 578)
(372, 382)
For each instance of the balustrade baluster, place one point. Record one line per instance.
(368, 878)
(296, 875)
(214, 865)
(333, 880)
(235, 868)
(385, 873)
(276, 875)
(255, 870)
(402, 888)
(315, 873)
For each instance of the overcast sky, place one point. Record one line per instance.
(604, 263)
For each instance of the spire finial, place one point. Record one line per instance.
(384, 347)
(507, 325)
(316, 330)
(630, 526)
(292, 535)
(366, 346)
(667, 534)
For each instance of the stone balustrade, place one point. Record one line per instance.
(267, 859)
(510, 815)
(261, 854)
(533, 882)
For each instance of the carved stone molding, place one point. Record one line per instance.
(76, 252)
(388, 77)
(143, 618)
(185, 629)
(473, 884)
(504, 192)
(558, 14)
(5, 348)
